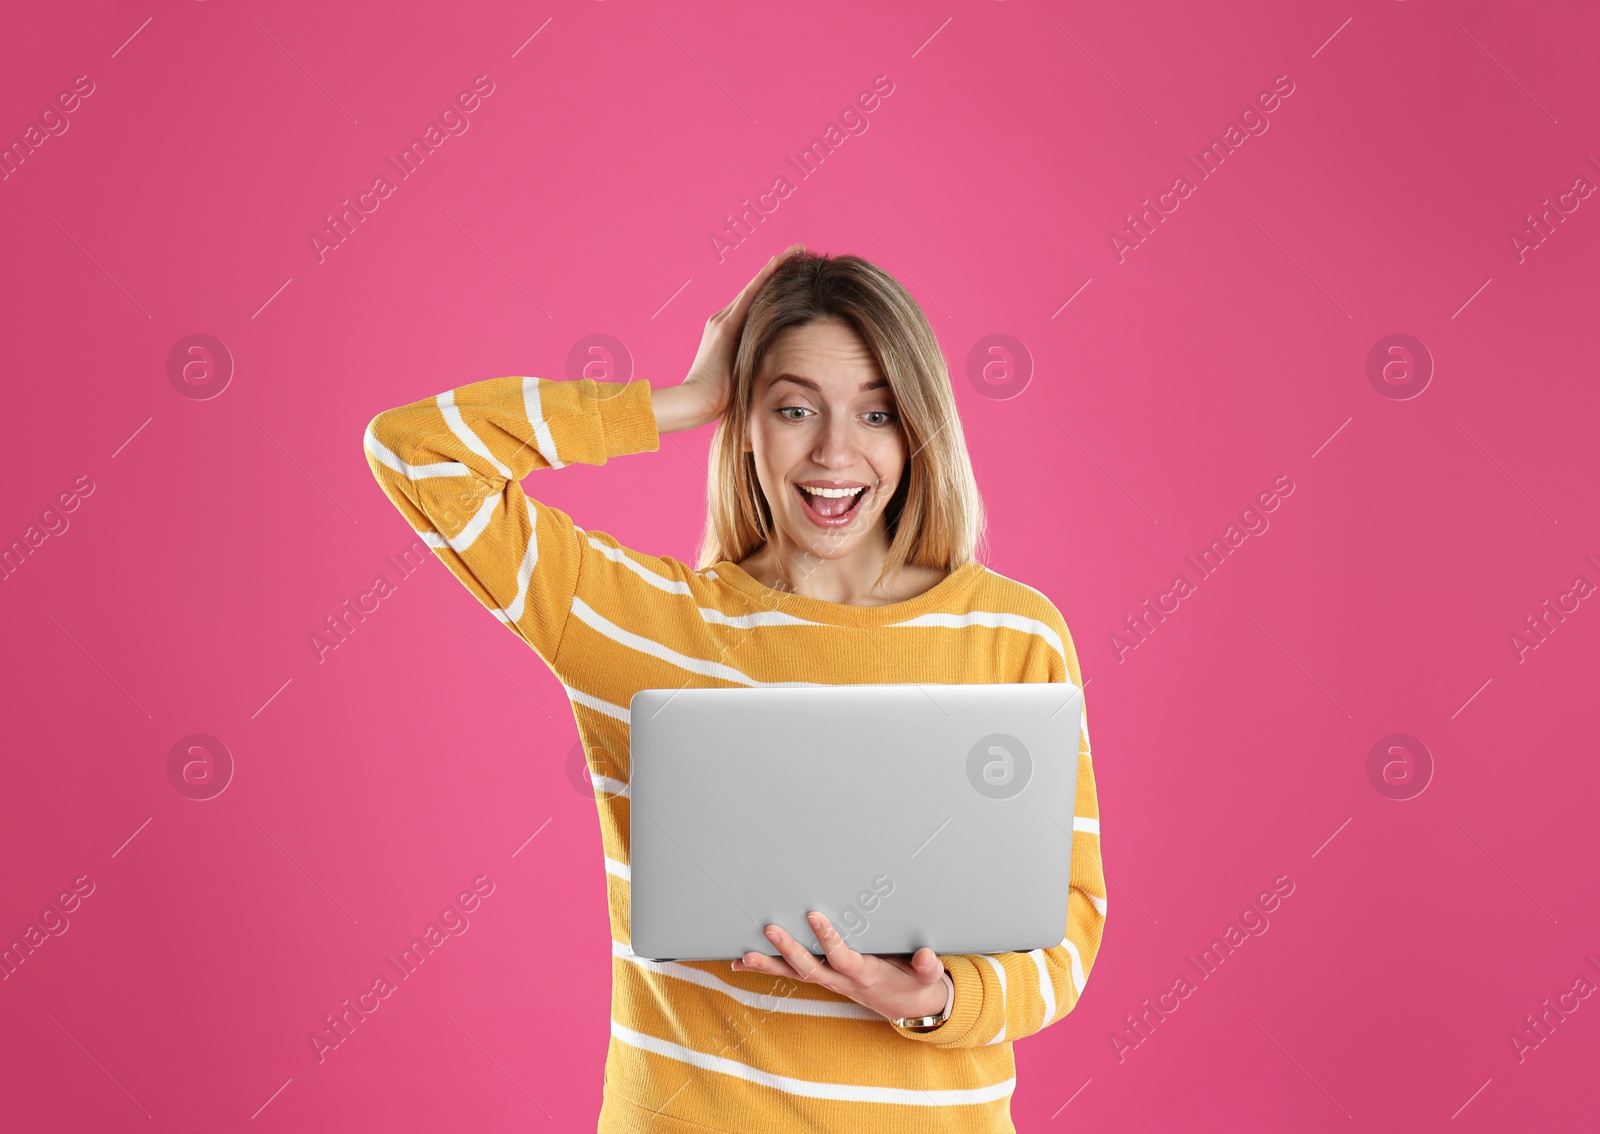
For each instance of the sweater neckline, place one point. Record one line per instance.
(952, 586)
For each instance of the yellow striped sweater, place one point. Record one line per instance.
(694, 1045)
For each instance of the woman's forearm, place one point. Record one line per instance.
(679, 407)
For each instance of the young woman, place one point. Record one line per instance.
(843, 515)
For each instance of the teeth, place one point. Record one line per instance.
(831, 491)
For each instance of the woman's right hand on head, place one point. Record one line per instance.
(703, 394)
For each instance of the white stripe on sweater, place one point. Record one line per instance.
(789, 1005)
(1077, 967)
(617, 555)
(602, 783)
(542, 440)
(530, 558)
(452, 417)
(807, 1088)
(994, 620)
(475, 526)
(678, 587)
(387, 457)
(1047, 988)
(589, 700)
(592, 618)
(759, 618)
(1000, 973)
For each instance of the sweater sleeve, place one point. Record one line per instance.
(1006, 996)
(453, 465)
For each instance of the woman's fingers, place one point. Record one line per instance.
(747, 296)
(769, 267)
(800, 959)
(924, 972)
(900, 963)
(749, 289)
(844, 970)
(840, 956)
(761, 963)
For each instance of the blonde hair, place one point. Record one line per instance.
(936, 516)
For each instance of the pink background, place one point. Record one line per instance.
(373, 786)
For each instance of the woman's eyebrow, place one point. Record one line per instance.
(876, 384)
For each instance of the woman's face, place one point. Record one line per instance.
(822, 416)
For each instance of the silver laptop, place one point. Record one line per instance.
(909, 815)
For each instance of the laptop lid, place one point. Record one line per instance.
(909, 815)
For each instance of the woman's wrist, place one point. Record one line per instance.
(939, 1012)
(679, 407)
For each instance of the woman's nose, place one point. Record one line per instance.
(835, 446)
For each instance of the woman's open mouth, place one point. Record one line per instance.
(829, 507)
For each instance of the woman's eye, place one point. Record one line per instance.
(884, 414)
(784, 412)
